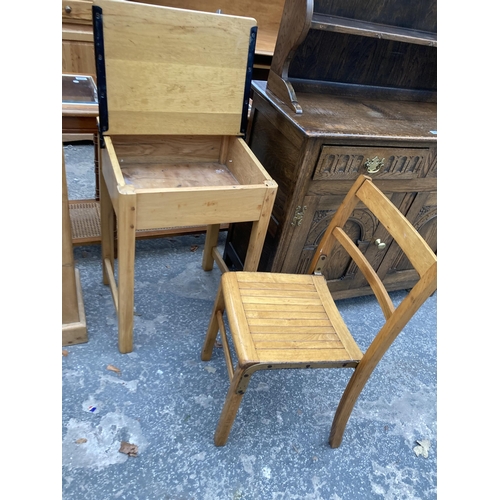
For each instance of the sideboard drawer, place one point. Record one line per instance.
(348, 162)
(77, 11)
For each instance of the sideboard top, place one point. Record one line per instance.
(326, 115)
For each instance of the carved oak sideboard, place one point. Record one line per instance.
(316, 156)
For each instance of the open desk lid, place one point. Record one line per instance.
(163, 71)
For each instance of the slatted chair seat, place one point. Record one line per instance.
(287, 319)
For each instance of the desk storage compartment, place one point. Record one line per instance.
(186, 179)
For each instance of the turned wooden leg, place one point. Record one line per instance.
(231, 405)
(126, 221)
(107, 231)
(211, 239)
(213, 326)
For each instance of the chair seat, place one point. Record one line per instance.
(286, 320)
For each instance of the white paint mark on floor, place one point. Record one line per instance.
(103, 440)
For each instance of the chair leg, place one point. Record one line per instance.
(126, 259)
(211, 239)
(231, 405)
(107, 229)
(347, 402)
(213, 326)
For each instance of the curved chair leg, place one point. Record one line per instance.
(347, 402)
(231, 405)
(213, 326)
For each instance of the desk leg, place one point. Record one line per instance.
(211, 239)
(259, 230)
(126, 222)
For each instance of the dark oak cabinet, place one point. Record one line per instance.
(352, 90)
(315, 157)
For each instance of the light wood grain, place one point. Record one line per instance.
(126, 228)
(176, 71)
(267, 13)
(77, 11)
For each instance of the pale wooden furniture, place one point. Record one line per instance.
(266, 12)
(78, 40)
(173, 95)
(280, 320)
(77, 37)
(74, 325)
(79, 122)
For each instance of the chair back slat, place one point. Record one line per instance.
(371, 276)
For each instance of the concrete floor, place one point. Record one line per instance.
(167, 401)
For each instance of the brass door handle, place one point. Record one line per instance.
(374, 165)
(379, 244)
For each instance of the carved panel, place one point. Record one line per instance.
(360, 227)
(337, 162)
(426, 225)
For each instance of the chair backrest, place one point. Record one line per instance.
(411, 243)
(163, 70)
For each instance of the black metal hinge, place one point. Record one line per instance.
(100, 70)
(248, 80)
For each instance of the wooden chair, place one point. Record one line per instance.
(173, 88)
(291, 321)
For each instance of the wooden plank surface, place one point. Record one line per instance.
(173, 71)
(193, 206)
(267, 13)
(288, 330)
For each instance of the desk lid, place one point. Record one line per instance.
(163, 71)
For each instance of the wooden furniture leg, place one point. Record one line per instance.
(211, 239)
(213, 326)
(410, 305)
(231, 405)
(259, 229)
(126, 259)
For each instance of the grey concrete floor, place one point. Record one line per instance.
(167, 401)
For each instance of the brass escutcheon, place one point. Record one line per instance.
(374, 165)
(299, 215)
